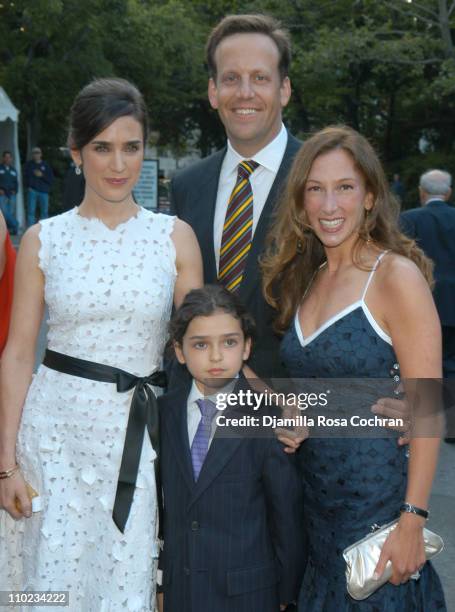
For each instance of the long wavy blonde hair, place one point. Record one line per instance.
(293, 251)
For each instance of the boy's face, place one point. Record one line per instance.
(213, 349)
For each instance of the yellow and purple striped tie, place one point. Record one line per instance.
(237, 229)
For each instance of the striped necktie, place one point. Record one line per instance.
(237, 229)
(200, 445)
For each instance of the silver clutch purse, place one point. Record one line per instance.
(362, 557)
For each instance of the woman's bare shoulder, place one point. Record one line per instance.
(399, 273)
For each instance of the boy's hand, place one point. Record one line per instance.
(291, 439)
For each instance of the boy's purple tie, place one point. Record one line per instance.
(200, 445)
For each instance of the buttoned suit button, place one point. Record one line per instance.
(194, 526)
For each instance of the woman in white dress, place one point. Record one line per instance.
(108, 272)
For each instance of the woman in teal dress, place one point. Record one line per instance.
(353, 300)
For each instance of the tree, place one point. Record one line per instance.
(51, 48)
(387, 68)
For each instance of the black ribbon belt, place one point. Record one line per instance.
(143, 414)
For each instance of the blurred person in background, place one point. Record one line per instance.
(432, 226)
(8, 191)
(38, 177)
(397, 188)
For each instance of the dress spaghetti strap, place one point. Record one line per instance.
(370, 276)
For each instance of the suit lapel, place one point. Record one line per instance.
(250, 280)
(220, 452)
(177, 429)
(208, 189)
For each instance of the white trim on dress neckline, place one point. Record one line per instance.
(339, 315)
(336, 317)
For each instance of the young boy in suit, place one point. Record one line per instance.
(233, 516)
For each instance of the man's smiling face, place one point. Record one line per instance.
(248, 91)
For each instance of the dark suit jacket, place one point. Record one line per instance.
(433, 228)
(193, 198)
(234, 540)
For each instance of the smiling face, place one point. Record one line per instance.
(336, 199)
(248, 92)
(213, 349)
(112, 161)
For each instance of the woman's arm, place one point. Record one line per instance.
(17, 364)
(3, 232)
(412, 320)
(188, 261)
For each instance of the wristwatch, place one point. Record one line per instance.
(414, 510)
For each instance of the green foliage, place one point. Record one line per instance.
(386, 68)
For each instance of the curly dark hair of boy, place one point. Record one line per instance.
(207, 301)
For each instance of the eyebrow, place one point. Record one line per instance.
(346, 178)
(106, 142)
(223, 336)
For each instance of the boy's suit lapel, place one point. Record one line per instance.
(220, 452)
(177, 428)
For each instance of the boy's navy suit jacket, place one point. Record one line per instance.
(234, 540)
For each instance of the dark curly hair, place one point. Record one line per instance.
(205, 302)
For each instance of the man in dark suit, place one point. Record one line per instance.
(433, 227)
(248, 58)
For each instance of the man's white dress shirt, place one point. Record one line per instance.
(269, 159)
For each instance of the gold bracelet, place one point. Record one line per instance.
(9, 473)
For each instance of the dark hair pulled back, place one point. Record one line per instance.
(99, 104)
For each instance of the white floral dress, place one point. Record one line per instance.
(109, 294)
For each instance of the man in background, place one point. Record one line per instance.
(397, 188)
(38, 177)
(433, 227)
(8, 191)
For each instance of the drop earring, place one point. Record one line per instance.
(78, 170)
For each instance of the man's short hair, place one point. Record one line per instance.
(7, 153)
(36, 150)
(436, 182)
(250, 24)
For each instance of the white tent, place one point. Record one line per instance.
(9, 118)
